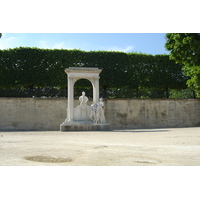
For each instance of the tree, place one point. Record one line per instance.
(185, 48)
(0, 35)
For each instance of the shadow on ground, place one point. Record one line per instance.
(142, 131)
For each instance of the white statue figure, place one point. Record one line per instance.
(83, 99)
(82, 111)
(93, 111)
(100, 118)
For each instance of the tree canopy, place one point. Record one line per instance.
(185, 49)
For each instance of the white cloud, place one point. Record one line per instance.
(115, 48)
(6, 43)
(58, 45)
(47, 45)
(10, 38)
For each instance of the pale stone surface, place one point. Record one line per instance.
(31, 113)
(141, 113)
(47, 114)
(138, 147)
(82, 113)
(87, 126)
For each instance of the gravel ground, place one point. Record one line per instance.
(137, 147)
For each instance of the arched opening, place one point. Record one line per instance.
(83, 85)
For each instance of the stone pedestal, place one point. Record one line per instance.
(78, 126)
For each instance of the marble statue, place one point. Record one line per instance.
(93, 111)
(100, 112)
(83, 99)
(82, 111)
(97, 112)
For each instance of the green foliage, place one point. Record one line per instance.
(165, 74)
(155, 72)
(194, 81)
(44, 68)
(185, 49)
(182, 94)
(138, 70)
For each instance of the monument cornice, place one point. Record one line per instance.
(82, 70)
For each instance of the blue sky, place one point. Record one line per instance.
(149, 43)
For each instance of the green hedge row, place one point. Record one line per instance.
(41, 68)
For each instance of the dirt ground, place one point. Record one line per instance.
(138, 147)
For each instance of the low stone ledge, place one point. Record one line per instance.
(84, 127)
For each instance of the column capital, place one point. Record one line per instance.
(70, 76)
(96, 77)
(71, 79)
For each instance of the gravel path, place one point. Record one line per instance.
(138, 147)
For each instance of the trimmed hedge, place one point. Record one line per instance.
(26, 67)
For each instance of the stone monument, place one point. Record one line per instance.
(84, 117)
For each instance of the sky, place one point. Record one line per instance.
(149, 43)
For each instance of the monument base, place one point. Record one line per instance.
(84, 126)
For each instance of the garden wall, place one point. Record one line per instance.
(48, 114)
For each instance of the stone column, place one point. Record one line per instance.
(96, 89)
(70, 108)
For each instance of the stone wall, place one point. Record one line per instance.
(48, 114)
(154, 113)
